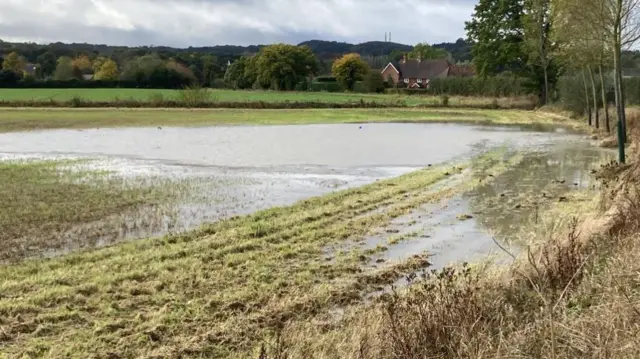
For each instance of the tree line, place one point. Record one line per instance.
(544, 40)
(207, 64)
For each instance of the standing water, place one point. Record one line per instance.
(248, 168)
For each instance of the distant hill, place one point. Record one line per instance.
(325, 50)
(460, 50)
(372, 48)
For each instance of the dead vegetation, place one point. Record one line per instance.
(217, 291)
(571, 296)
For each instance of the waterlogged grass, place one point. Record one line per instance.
(558, 299)
(36, 119)
(40, 202)
(214, 292)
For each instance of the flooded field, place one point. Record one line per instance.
(358, 209)
(220, 172)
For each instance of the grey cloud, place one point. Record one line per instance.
(214, 22)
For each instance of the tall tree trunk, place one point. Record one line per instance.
(620, 100)
(546, 85)
(586, 97)
(605, 104)
(596, 109)
(617, 76)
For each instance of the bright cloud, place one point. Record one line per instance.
(240, 22)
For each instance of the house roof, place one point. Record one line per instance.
(29, 68)
(427, 69)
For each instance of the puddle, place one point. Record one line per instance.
(463, 228)
(238, 170)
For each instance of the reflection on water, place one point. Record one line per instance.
(498, 209)
(227, 171)
(333, 146)
(515, 198)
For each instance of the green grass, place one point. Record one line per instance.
(35, 119)
(229, 96)
(146, 94)
(214, 292)
(41, 201)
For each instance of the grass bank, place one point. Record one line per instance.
(218, 291)
(38, 119)
(207, 98)
(572, 293)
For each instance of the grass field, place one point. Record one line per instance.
(151, 95)
(41, 201)
(36, 119)
(214, 292)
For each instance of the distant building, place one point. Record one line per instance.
(30, 69)
(419, 73)
(88, 77)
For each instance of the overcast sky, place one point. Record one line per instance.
(184, 23)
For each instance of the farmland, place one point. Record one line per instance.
(207, 98)
(36, 119)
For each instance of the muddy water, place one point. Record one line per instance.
(466, 227)
(238, 170)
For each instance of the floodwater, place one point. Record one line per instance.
(465, 228)
(242, 169)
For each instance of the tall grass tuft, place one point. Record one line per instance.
(195, 96)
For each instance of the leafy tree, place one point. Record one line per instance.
(459, 50)
(153, 72)
(235, 76)
(395, 55)
(348, 69)
(513, 36)
(14, 62)
(282, 66)
(82, 66)
(425, 52)
(374, 82)
(496, 32)
(64, 69)
(182, 71)
(48, 63)
(97, 63)
(537, 39)
(605, 28)
(8, 77)
(210, 70)
(140, 69)
(108, 71)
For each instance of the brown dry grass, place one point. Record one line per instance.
(218, 291)
(568, 296)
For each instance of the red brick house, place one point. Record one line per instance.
(418, 74)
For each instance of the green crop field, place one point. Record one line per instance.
(146, 94)
(151, 95)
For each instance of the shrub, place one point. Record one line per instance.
(374, 82)
(444, 99)
(194, 96)
(325, 87)
(360, 87)
(326, 79)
